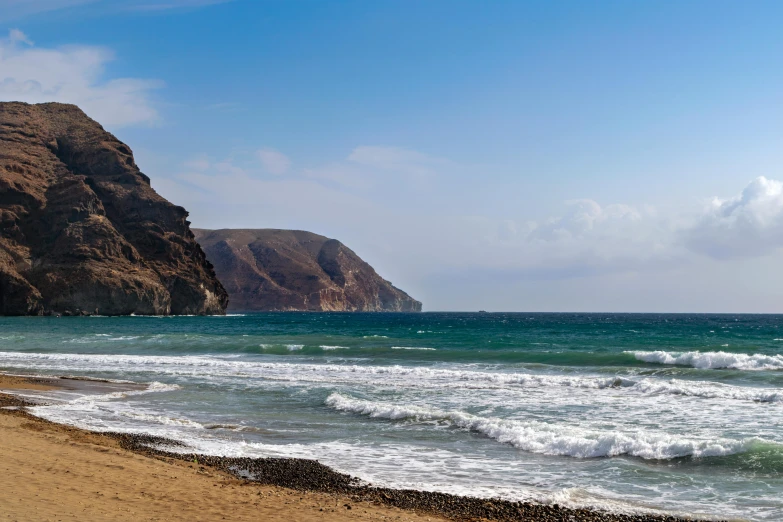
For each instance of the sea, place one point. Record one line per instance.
(678, 414)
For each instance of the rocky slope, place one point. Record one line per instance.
(269, 269)
(81, 229)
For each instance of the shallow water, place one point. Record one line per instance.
(680, 413)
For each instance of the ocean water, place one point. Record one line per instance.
(675, 413)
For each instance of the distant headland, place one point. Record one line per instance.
(269, 269)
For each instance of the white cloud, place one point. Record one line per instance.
(16, 36)
(749, 224)
(73, 74)
(274, 162)
(585, 216)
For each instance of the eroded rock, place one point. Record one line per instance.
(81, 229)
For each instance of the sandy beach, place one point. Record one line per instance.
(52, 472)
(49, 471)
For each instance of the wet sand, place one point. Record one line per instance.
(13, 382)
(54, 472)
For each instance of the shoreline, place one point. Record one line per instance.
(292, 476)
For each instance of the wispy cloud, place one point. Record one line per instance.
(170, 4)
(73, 74)
(395, 159)
(370, 166)
(274, 162)
(11, 9)
(14, 9)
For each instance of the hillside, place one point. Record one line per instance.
(81, 229)
(269, 269)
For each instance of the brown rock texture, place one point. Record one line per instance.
(81, 229)
(269, 269)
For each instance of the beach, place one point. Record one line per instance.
(56, 472)
(462, 416)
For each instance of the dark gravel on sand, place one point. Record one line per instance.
(12, 401)
(310, 475)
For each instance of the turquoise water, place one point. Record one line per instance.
(678, 413)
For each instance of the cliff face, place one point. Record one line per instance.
(82, 231)
(269, 269)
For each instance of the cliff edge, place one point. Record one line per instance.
(81, 229)
(269, 269)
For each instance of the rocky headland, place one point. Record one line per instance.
(81, 229)
(285, 270)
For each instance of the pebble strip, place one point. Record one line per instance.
(311, 475)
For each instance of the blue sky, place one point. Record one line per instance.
(602, 156)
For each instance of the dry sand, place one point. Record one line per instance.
(53, 472)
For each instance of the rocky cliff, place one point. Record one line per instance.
(81, 229)
(269, 269)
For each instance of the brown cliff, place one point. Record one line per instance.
(82, 231)
(267, 269)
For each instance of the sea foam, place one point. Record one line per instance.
(394, 375)
(713, 360)
(539, 437)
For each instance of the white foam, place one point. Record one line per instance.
(289, 347)
(412, 348)
(708, 390)
(713, 360)
(89, 411)
(153, 387)
(328, 347)
(539, 437)
(208, 367)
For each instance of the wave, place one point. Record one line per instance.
(713, 360)
(153, 387)
(393, 376)
(412, 348)
(539, 437)
(88, 411)
(156, 418)
(289, 347)
(708, 390)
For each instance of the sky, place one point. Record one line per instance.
(605, 156)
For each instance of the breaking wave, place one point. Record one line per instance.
(539, 437)
(713, 360)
